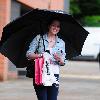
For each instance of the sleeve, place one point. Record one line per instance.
(63, 53)
(33, 45)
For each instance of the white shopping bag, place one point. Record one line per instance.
(48, 77)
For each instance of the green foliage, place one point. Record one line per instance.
(87, 12)
(74, 7)
(85, 7)
(91, 21)
(89, 7)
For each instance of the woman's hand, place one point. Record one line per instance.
(34, 56)
(58, 58)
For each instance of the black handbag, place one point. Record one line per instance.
(30, 71)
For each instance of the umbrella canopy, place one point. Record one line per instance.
(18, 34)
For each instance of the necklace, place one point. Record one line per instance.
(51, 43)
(51, 40)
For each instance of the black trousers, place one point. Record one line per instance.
(46, 92)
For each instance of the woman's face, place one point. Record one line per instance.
(54, 28)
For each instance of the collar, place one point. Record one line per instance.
(45, 37)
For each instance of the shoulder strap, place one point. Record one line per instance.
(40, 36)
(43, 42)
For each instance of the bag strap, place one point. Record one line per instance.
(40, 36)
(38, 43)
(43, 42)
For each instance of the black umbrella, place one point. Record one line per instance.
(18, 34)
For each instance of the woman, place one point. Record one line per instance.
(56, 47)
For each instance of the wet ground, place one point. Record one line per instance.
(79, 81)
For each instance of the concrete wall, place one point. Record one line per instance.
(15, 9)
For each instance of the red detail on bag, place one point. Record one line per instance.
(38, 70)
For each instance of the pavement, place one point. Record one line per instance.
(78, 81)
(81, 69)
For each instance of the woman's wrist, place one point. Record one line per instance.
(40, 55)
(34, 56)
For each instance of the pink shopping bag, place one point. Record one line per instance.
(38, 70)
